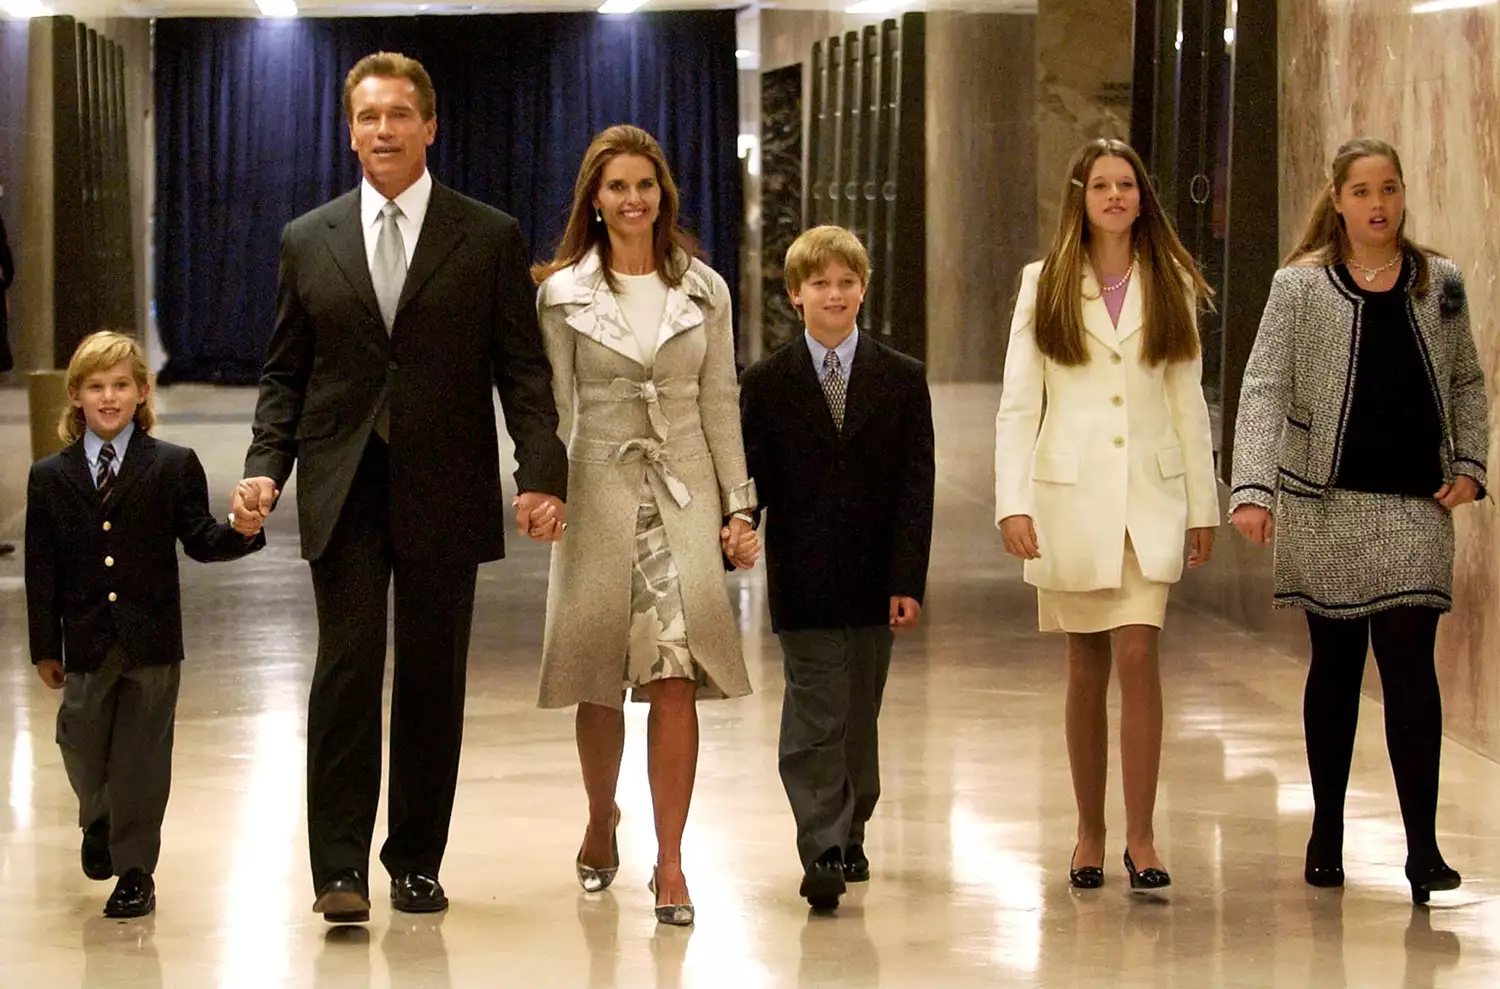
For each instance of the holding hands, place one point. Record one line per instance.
(740, 543)
(253, 499)
(543, 517)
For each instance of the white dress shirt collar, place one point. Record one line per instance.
(413, 202)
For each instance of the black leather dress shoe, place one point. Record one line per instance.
(416, 893)
(95, 851)
(823, 882)
(856, 865)
(134, 896)
(344, 899)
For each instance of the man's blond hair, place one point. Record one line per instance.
(816, 248)
(100, 352)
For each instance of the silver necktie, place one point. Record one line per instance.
(389, 270)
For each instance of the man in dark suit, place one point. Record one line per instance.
(399, 306)
(838, 436)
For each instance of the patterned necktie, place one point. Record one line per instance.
(389, 270)
(833, 387)
(105, 478)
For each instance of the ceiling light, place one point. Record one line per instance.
(621, 6)
(875, 7)
(1436, 6)
(277, 8)
(26, 9)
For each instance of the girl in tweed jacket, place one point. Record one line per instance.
(1363, 424)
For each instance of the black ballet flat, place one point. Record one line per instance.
(1088, 877)
(1429, 879)
(1146, 880)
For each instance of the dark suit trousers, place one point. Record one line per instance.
(434, 607)
(829, 753)
(115, 730)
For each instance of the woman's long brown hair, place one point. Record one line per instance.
(1325, 240)
(672, 247)
(1169, 326)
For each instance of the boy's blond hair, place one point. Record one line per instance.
(811, 252)
(100, 352)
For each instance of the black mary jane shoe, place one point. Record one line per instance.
(1087, 877)
(1433, 878)
(1321, 869)
(1146, 880)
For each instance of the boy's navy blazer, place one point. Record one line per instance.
(849, 513)
(95, 575)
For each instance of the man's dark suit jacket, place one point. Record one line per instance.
(849, 514)
(95, 575)
(466, 323)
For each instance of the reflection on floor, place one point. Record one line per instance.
(970, 843)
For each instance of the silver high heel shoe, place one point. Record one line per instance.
(597, 880)
(676, 914)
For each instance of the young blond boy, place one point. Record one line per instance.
(838, 436)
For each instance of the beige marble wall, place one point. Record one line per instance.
(1429, 84)
(1083, 72)
(981, 186)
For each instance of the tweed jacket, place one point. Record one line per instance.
(671, 433)
(1110, 447)
(1299, 383)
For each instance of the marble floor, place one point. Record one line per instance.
(970, 842)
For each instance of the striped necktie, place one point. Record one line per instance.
(105, 478)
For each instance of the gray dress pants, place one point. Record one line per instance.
(829, 752)
(115, 731)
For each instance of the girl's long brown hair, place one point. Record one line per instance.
(1325, 240)
(1170, 327)
(672, 247)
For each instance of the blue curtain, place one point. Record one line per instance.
(250, 133)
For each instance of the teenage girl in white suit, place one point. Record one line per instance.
(1103, 463)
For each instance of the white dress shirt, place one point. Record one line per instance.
(413, 203)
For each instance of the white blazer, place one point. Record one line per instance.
(1094, 452)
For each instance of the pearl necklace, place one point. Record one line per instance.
(1370, 273)
(1121, 283)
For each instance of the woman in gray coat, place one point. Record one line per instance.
(1363, 424)
(638, 333)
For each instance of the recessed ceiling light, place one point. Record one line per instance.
(277, 8)
(621, 6)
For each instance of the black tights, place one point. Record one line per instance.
(1404, 639)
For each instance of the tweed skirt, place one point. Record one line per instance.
(1352, 553)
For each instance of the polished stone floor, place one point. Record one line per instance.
(970, 843)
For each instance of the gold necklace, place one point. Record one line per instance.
(1370, 273)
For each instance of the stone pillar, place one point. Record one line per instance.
(1083, 74)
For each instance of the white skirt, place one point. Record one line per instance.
(1137, 601)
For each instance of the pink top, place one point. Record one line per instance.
(1114, 301)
